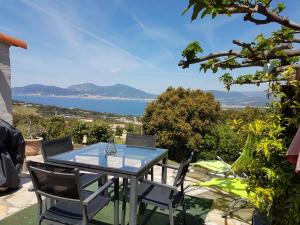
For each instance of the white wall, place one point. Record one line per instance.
(5, 84)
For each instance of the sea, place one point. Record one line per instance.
(117, 106)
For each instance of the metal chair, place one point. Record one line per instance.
(166, 196)
(71, 204)
(142, 141)
(64, 144)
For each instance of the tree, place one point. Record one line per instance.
(278, 50)
(222, 141)
(96, 132)
(180, 118)
(99, 131)
(271, 178)
(247, 114)
(119, 131)
(55, 127)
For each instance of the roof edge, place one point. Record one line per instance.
(12, 41)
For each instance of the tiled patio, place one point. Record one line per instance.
(11, 203)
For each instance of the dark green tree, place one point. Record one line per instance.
(222, 141)
(180, 118)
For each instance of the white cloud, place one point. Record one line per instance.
(75, 37)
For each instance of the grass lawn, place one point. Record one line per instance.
(20, 109)
(196, 210)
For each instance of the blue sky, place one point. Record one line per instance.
(105, 42)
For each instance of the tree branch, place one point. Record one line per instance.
(185, 63)
(249, 17)
(244, 45)
(260, 81)
(259, 8)
(279, 48)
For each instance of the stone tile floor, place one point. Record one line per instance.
(13, 202)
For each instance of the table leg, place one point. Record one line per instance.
(116, 202)
(164, 171)
(125, 187)
(133, 201)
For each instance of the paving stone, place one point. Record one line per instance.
(3, 211)
(12, 210)
(21, 199)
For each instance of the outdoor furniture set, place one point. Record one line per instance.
(66, 173)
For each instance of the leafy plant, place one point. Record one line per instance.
(272, 180)
(221, 141)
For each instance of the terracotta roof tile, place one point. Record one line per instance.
(12, 41)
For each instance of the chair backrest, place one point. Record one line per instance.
(55, 182)
(142, 141)
(56, 146)
(183, 169)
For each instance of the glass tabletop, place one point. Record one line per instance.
(127, 159)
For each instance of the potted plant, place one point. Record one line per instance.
(33, 141)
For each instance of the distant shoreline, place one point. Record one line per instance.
(87, 97)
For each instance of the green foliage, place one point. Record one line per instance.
(133, 128)
(274, 188)
(57, 126)
(30, 125)
(54, 127)
(273, 184)
(272, 181)
(217, 7)
(96, 131)
(191, 51)
(222, 141)
(119, 131)
(245, 115)
(180, 118)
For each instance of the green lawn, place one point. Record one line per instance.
(197, 208)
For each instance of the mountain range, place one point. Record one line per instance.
(86, 89)
(227, 99)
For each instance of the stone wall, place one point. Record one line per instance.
(5, 84)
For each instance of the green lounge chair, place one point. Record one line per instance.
(235, 184)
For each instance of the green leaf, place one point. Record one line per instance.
(197, 8)
(280, 7)
(204, 13)
(191, 3)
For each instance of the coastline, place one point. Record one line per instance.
(87, 97)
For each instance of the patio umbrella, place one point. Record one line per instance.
(294, 151)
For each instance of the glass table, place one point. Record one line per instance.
(128, 162)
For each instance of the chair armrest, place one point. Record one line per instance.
(168, 166)
(227, 166)
(99, 191)
(159, 184)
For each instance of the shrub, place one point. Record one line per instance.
(96, 131)
(222, 141)
(119, 131)
(55, 127)
(180, 118)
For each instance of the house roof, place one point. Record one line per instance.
(12, 41)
